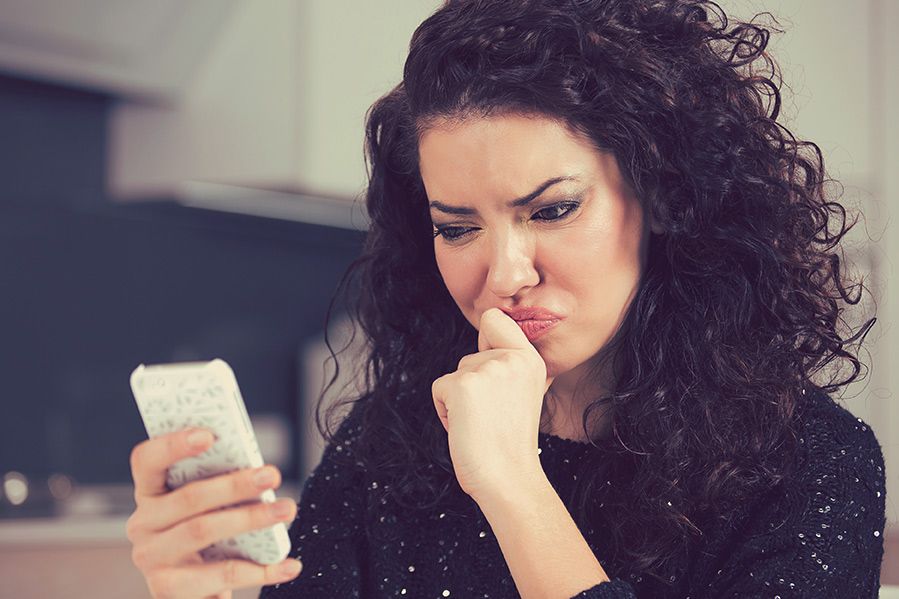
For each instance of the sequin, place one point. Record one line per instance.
(792, 536)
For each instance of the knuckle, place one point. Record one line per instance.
(133, 527)
(161, 584)
(527, 363)
(244, 485)
(510, 357)
(467, 379)
(140, 558)
(496, 365)
(191, 497)
(198, 529)
(229, 573)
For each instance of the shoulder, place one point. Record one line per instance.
(839, 483)
(341, 443)
(821, 529)
(351, 423)
(829, 434)
(339, 455)
(337, 478)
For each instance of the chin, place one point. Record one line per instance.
(553, 369)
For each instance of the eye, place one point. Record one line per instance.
(567, 207)
(451, 233)
(551, 213)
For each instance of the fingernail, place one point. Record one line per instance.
(264, 477)
(290, 568)
(281, 509)
(199, 438)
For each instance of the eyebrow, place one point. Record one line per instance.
(522, 201)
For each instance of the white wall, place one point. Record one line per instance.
(839, 62)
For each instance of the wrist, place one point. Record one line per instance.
(517, 485)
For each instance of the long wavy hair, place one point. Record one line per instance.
(741, 306)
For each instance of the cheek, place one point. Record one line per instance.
(609, 245)
(458, 274)
(599, 265)
(583, 257)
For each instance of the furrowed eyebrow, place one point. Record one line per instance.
(522, 201)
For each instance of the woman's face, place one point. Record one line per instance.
(576, 247)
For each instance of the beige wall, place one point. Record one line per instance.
(839, 62)
(95, 570)
(840, 59)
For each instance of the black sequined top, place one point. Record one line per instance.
(821, 538)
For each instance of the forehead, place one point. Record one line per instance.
(505, 155)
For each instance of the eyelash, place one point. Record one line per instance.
(572, 208)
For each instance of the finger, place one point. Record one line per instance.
(170, 547)
(472, 361)
(213, 578)
(439, 403)
(497, 330)
(151, 459)
(204, 495)
(549, 383)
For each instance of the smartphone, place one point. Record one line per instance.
(172, 397)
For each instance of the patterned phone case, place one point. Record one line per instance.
(172, 397)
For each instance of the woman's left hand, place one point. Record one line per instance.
(491, 406)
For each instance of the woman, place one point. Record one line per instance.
(603, 300)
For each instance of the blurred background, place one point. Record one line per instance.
(181, 181)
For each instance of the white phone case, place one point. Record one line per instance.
(172, 397)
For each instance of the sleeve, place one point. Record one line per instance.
(328, 534)
(821, 538)
(611, 589)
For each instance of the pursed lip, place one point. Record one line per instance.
(531, 313)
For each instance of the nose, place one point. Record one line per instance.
(511, 264)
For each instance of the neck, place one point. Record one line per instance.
(565, 402)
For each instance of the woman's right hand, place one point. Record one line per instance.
(169, 528)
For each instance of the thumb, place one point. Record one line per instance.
(497, 330)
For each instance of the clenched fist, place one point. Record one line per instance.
(491, 406)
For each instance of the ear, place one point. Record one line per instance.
(655, 226)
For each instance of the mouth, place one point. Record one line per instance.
(530, 313)
(534, 329)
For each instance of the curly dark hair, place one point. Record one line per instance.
(741, 306)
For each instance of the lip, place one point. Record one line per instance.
(534, 321)
(531, 313)
(534, 329)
